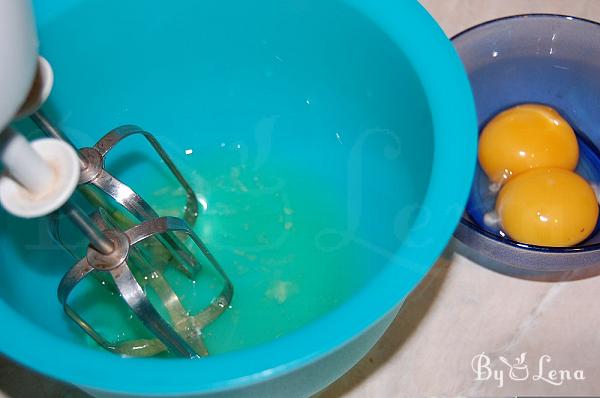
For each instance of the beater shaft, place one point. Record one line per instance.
(48, 128)
(85, 224)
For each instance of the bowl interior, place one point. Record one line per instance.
(314, 97)
(547, 59)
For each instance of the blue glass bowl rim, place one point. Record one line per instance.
(444, 81)
(473, 226)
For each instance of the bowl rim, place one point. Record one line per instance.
(474, 227)
(520, 16)
(448, 94)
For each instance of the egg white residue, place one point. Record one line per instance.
(491, 219)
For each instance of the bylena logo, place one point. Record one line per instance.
(519, 370)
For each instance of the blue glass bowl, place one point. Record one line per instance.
(539, 58)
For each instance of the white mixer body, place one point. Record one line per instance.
(18, 56)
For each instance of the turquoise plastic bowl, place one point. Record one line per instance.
(381, 74)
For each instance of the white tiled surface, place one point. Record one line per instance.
(461, 309)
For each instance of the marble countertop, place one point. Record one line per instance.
(463, 316)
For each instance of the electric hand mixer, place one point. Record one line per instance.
(40, 178)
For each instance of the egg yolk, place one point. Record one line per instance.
(547, 207)
(525, 137)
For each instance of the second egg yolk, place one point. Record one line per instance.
(525, 137)
(547, 207)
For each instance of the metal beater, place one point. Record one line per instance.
(117, 251)
(41, 176)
